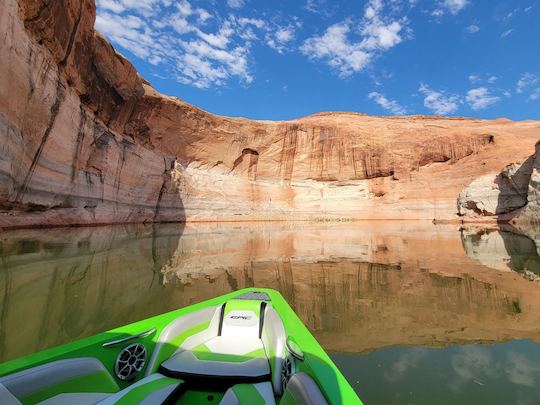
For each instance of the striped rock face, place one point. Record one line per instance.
(85, 140)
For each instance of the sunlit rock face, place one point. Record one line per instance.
(64, 93)
(85, 140)
(513, 195)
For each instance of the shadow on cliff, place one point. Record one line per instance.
(513, 183)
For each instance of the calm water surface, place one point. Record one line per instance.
(411, 312)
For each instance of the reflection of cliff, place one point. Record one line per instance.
(63, 284)
(362, 286)
(503, 250)
(357, 286)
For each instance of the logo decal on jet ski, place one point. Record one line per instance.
(245, 318)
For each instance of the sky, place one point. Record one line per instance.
(284, 59)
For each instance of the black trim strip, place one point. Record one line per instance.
(220, 328)
(261, 318)
(213, 382)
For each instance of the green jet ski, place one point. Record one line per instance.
(247, 347)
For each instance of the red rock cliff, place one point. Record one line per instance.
(84, 139)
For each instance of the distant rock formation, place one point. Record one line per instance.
(513, 195)
(85, 140)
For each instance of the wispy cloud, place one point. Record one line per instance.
(529, 84)
(389, 105)
(438, 101)
(280, 38)
(348, 47)
(474, 78)
(449, 6)
(235, 3)
(504, 34)
(472, 29)
(455, 6)
(480, 98)
(194, 45)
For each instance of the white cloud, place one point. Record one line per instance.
(507, 32)
(194, 45)
(235, 3)
(472, 29)
(111, 5)
(177, 36)
(377, 33)
(389, 105)
(480, 98)
(439, 102)
(529, 83)
(321, 7)
(526, 81)
(455, 6)
(313, 6)
(449, 6)
(475, 78)
(280, 38)
(334, 47)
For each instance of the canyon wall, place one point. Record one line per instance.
(85, 140)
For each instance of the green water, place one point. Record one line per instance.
(506, 373)
(411, 312)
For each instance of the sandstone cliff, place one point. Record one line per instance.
(84, 140)
(513, 195)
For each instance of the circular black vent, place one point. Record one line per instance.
(287, 371)
(130, 361)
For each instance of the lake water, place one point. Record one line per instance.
(411, 312)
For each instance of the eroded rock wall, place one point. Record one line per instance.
(62, 159)
(84, 140)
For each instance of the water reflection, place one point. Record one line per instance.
(503, 250)
(358, 286)
(62, 284)
(506, 373)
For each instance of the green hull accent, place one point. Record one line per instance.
(248, 393)
(316, 363)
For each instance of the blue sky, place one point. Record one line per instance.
(282, 59)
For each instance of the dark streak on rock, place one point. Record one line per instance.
(72, 35)
(160, 195)
(31, 83)
(54, 112)
(78, 144)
